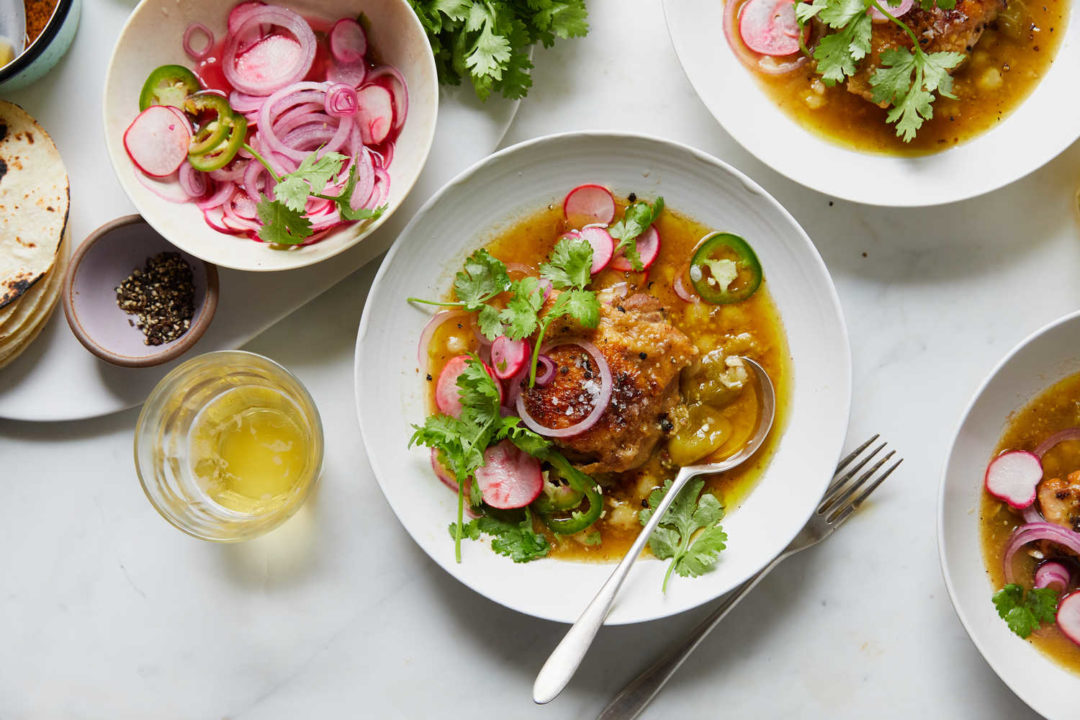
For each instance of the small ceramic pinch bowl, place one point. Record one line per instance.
(104, 260)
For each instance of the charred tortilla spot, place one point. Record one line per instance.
(3, 168)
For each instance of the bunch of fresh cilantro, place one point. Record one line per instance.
(1026, 612)
(677, 537)
(906, 79)
(489, 41)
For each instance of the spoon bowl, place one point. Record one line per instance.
(12, 30)
(568, 654)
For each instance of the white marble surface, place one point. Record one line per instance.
(108, 612)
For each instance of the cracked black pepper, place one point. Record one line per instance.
(161, 296)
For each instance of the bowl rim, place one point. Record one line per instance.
(300, 260)
(42, 41)
(943, 551)
(832, 298)
(203, 317)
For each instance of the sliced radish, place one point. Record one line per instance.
(509, 478)
(157, 141)
(603, 246)
(769, 27)
(589, 205)
(376, 114)
(1013, 476)
(648, 247)
(348, 43)
(1068, 616)
(441, 472)
(508, 356)
(447, 393)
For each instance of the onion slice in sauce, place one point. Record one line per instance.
(1033, 532)
(603, 397)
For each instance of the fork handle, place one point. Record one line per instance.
(640, 691)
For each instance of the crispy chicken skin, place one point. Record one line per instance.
(938, 30)
(1060, 500)
(645, 352)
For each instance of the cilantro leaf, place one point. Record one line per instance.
(483, 277)
(837, 54)
(674, 538)
(281, 225)
(294, 189)
(520, 314)
(570, 263)
(518, 541)
(636, 219)
(1026, 614)
(908, 81)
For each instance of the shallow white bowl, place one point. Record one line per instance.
(391, 391)
(1046, 123)
(153, 36)
(1042, 359)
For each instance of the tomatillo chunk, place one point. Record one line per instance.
(223, 153)
(213, 114)
(168, 85)
(725, 269)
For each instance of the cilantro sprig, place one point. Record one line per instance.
(516, 540)
(907, 79)
(283, 218)
(692, 553)
(636, 220)
(489, 41)
(1026, 612)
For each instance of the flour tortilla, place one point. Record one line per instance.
(25, 311)
(50, 287)
(34, 199)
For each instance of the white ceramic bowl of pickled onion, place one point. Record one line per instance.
(154, 35)
(1044, 358)
(491, 196)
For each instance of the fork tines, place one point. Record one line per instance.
(843, 495)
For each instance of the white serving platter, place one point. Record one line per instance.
(56, 378)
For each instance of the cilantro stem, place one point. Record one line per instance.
(684, 547)
(536, 349)
(433, 302)
(900, 23)
(460, 520)
(262, 161)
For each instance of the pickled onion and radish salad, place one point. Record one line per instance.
(580, 360)
(282, 131)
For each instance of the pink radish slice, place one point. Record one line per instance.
(901, 9)
(603, 246)
(167, 188)
(589, 205)
(769, 27)
(157, 141)
(348, 43)
(1068, 616)
(648, 247)
(262, 62)
(509, 478)
(376, 114)
(447, 393)
(1013, 476)
(508, 356)
(441, 472)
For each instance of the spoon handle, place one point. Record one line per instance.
(568, 654)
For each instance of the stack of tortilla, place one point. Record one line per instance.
(34, 232)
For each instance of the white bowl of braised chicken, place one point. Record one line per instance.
(558, 331)
(888, 102)
(1009, 519)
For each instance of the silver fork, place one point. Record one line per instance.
(848, 490)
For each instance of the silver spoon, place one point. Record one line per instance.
(12, 29)
(567, 656)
